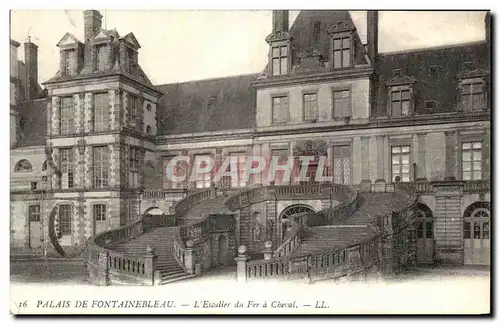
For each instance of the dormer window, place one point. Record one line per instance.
(280, 60)
(472, 95)
(130, 61)
(101, 57)
(400, 101)
(69, 61)
(342, 52)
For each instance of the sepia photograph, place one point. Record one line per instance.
(250, 162)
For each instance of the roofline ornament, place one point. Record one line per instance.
(339, 27)
(279, 35)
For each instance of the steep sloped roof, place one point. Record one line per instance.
(32, 122)
(207, 105)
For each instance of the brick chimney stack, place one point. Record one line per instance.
(280, 20)
(31, 62)
(92, 21)
(372, 35)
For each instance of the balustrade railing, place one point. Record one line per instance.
(193, 199)
(196, 230)
(477, 186)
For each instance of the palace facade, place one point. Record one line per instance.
(89, 153)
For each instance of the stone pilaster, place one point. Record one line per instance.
(56, 184)
(356, 160)
(486, 154)
(56, 106)
(142, 154)
(89, 167)
(78, 112)
(77, 183)
(421, 157)
(113, 167)
(113, 112)
(125, 107)
(380, 157)
(87, 106)
(373, 158)
(365, 158)
(450, 155)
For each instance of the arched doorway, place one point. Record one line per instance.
(476, 232)
(286, 214)
(424, 223)
(222, 250)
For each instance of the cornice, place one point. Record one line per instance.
(286, 80)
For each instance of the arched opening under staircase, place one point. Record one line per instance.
(222, 252)
(424, 224)
(477, 233)
(287, 213)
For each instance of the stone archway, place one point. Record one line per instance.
(287, 213)
(477, 233)
(423, 222)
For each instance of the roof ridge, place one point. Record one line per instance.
(209, 79)
(421, 49)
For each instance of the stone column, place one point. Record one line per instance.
(102, 277)
(149, 266)
(365, 158)
(241, 264)
(189, 257)
(450, 155)
(421, 157)
(380, 157)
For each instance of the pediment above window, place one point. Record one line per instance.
(68, 40)
(400, 78)
(103, 35)
(130, 39)
(472, 73)
(340, 27)
(277, 36)
(309, 60)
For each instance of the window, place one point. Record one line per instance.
(342, 164)
(67, 125)
(66, 164)
(148, 106)
(178, 170)
(100, 212)
(69, 61)
(65, 212)
(131, 63)
(430, 104)
(400, 102)
(101, 57)
(134, 167)
(341, 103)
(342, 52)
(34, 213)
(310, 107)
(23, 166)
(101, 112)
(239, 160)
(133, 104)
(279, 175)
(44, 166)
(472, 96)
(281, 113)
(203, 180)
(472, 160)
(33, 185)
(101, 159)
(280, 60)
(401, 163)
(148, 130)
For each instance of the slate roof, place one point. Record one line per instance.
(33, 122)
(207, 105)
(435, 71)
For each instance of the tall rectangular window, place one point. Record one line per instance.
(342, 164)
(282, 156)
(472, 162)
(101, 112)
(134, 167)
(281, 112)
(204, 179)
(99, 212)
(401, 163)
(400, 102)
(310, 107)
(179, 170)
(101, 165)
(342, 103)
(342, 52)
(67, 168)
(280, 60)
(472, 96)
(65, 217)
(132, 110)
(69, 61)
(130, 61)
(101, 57)
(34, 213)
(67, 114)
(238, 160)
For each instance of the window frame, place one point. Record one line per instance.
(470, 82)
(65, 225)
(341, 89)
(281, 96)
(400, 154)
(204, 179)
(349, 158)
(67, 124)
(341, 36)
(70, 62)
(400, 89)
(34, 210)
(472, 150)
(102, 165)
(315, 115)
(280, 57)
(99, 212)
(104, 66)
(68, 165)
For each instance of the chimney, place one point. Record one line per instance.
(92, 22)
(280, 20)
(372, 35)
(487, 26)
(31, 62)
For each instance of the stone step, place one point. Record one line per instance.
(176, 278)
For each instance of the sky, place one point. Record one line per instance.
(179, 46)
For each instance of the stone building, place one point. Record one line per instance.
(104, 134)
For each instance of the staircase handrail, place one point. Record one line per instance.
(197, 229)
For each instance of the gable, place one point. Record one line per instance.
(68, 39)
(130, 38)
(100, 34)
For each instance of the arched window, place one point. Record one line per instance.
(257, 229)
(44, 166)
(23, 166)
(148, 130)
